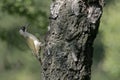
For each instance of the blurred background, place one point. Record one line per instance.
(16, 59)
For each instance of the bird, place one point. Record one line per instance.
(32, 41)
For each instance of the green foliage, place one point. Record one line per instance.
(15, 57)
(109, 66)
(35, 14)
(25, 8)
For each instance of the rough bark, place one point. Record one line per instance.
(72, 30)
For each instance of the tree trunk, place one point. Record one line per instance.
(72, 30)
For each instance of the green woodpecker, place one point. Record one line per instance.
(32, 41)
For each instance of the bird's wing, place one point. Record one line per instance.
(31, 44)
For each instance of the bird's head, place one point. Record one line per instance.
(23, 29)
